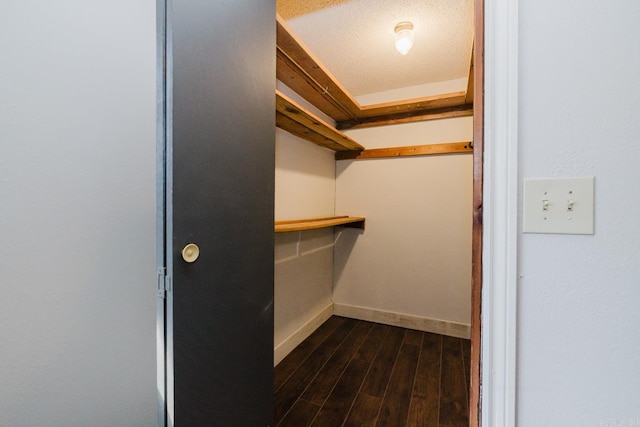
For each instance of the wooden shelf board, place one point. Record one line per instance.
(314, 223)
(298, 68)
(408, 117)
(294, 118)
(414, 150)
(413, 105)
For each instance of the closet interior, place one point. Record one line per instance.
(373, 204)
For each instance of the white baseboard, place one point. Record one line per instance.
(426, 324)
(436, 326)
(292, 341)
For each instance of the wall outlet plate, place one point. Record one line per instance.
(558, 205)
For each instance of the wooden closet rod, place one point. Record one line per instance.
(414, 150)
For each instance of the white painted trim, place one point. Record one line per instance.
(402, 320)
(500, 214)
(292, 341)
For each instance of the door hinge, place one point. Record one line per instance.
(164, 282)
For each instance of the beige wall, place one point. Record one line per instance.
(305, 188)
(414, 257)
(305, 178)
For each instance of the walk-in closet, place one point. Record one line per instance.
(373, 213)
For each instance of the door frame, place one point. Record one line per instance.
(495, 233)
(493, 362)
(477, 228)
(161, 224)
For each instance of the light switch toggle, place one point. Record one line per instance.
(545, 205)
(570, 203)
(191, 252)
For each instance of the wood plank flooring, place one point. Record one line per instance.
(355, 373)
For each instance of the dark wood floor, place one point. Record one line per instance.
(355, 373)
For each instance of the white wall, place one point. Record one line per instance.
(410, 92)
(578, 311)
(305, 178)
(414, 256)
(77, 213)
(305, 188)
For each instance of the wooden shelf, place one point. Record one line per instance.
(313, 223)
(295, 119)
(414, 150)
(298, 68)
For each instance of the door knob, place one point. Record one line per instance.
(191, 252)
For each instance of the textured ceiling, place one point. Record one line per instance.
(291, 8)
(354, 40)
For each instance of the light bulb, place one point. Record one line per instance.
(404, 37)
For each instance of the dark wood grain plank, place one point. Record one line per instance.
(364, 412)
(425, 401)
(378, 377)
(421, 413)
(337, 406)
(296, 384)
(453, 401)
(466, 363)
(324, 382)
(374, 341)
(413, 337)
(326, 329)
(301, 414)
(395, 406)
(289, 364)
(429, 367)
(340, 333)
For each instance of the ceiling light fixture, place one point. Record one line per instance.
(404, 37)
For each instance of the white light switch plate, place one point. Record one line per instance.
(558, 205)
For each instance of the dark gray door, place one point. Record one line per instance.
(220, 131)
